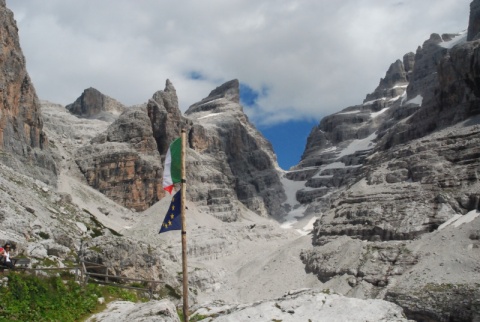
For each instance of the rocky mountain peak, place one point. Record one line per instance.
(169, 86)
(167, 98)
(229, 95)
(393, 83)
(238, 163)
(165, 115)
(93, 104)
(229, 90)
(474, 21)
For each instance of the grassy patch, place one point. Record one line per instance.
(194, 318)
(169, 291)
(96, 249)
(97, 230)
(35, 298)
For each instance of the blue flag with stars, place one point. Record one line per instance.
(173, 219)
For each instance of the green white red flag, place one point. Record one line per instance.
(173, 165)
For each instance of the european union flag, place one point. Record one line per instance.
(173, 219)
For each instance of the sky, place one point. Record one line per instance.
(297, 60)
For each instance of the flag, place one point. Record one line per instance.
(173, 218)
(173, 165)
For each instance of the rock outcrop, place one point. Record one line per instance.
(152, 311)
(166, 117)
(93, 104)
(304, 305)
(23, 144)
(474, 21)
(233, 160)
(123, 162)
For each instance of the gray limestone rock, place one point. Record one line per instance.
(23, 143)
(304, 305)
(223, 136)
(93, 104)
(152, 311)
(123, 162)
(474, 21)
(166, 118)
(392, 85)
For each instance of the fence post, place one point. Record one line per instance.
(84, 273)
(79, 261)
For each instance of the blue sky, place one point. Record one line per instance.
(288, 138)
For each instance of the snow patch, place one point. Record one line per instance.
(350, 112)
(309, 226)
(359, 145)
(394, 98)
(417, 100)
(375, 114)
(291, 187)
(461, 38)
(292, 217)
(209, 115)
(333, 165)
(373, 101)
(458, 220)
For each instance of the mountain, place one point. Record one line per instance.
(384, 202)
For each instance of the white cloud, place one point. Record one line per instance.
(315, 57)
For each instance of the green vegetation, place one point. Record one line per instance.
(194, 318)
(169, 291)
(96, 249)
(97, 230)
(47, 262)
(44, 235)
(33, 298)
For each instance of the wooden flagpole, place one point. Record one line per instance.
(184, 229)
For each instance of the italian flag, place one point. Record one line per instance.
(173, 172)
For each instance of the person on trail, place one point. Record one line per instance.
(6, 261)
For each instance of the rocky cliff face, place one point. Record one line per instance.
(23, 143)
(123, 162)
(337, 147)
(234, 161)
(93, 104)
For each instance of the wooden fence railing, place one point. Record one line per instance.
(83, 275)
